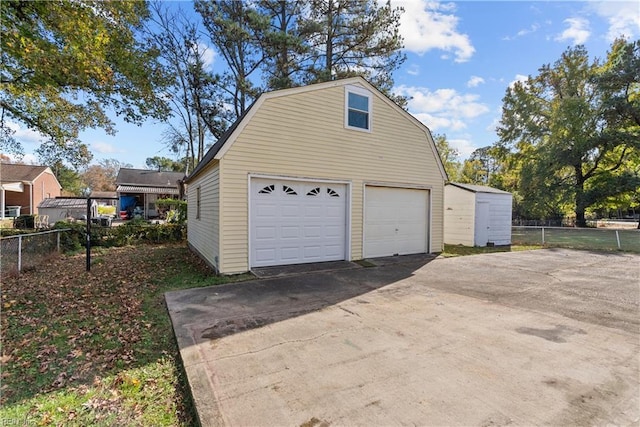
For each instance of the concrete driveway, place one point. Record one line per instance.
(546, 337)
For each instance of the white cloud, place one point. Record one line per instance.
(464, 146)
(413, 70)
(103, 148)
(427, 25)
(474, 81)
(518, 78)
(25, 135)
(623, 17)
(27, 159)
(207, 55)
(578, 31)
(442, 108)
(532, 29)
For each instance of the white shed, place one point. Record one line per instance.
(476, 215)
(59, 209)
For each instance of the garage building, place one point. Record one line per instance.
(331, 171)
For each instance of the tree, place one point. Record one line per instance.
(353, 37)
(195, 93)
(448, 155)
(234, 29)
(481, 168)
(166, 164)
(282, 44)
(70, 180)
(66, 63)
(569, 140)
(102, 177)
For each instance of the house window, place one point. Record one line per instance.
(332, 193)
(197, 202)
(357, 109)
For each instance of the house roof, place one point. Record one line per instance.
(103, 194)
(478, 188)
(218, 149)
(215, 148)
(148, 178)
(147, 190)
(63, 203)
(11, 172)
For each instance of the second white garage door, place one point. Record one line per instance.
(395, 221)
(295, 222)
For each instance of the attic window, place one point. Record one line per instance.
(357, 108)
(267, 190)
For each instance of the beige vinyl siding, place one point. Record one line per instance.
(459, 216)
(203, 232)
(303, 135)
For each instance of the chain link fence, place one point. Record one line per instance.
(578, 238)
(25, 251)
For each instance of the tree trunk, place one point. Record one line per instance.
(581, 221)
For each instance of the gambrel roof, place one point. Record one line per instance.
(227, 139)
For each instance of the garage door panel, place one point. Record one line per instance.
(395, 221)
(289, 232)
(265, 232)
(297, 222)
(265, 255)
(312, 232)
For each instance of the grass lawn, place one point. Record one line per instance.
(459, 250)
(598, 239)
(97, 348)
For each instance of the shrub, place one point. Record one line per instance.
(133, 232)
(25, 221)
(173, 210)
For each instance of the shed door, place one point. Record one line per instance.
(294, 222)
(396, 221)
(482, 224)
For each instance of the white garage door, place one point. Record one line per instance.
(295, 222)
(395, 221)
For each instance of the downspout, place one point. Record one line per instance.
(31, 198)
(2, 203)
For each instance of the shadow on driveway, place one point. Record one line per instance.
(203, 314)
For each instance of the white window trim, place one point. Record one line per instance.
(362, 92)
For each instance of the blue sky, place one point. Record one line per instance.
(461, 57)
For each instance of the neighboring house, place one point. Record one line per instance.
(105, 198)
(476, 215)
(62, 208)
(331, 171)
(138, 190)
(24, 187)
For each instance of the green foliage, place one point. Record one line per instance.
(166, 164)
(347, 38)
(174, 209)
(449, 157)
(571, 134)
(137, 231)
(25, 221)
(66, 63)
(296, 43)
